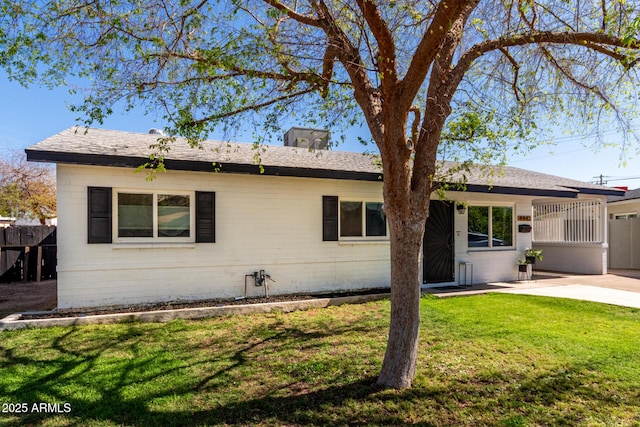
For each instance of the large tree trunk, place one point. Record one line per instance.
(400, 361)
(407, 212)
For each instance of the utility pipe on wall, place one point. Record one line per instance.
(260, 278)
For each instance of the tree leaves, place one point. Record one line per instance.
(26, 189)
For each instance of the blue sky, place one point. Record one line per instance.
(30, 115)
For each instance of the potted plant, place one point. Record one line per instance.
(522, 265)
(532, 255)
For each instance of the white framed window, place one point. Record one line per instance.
(490, 226)
(162, 216)
(625, 216)
(362, 219)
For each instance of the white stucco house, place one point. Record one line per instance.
(312, 221)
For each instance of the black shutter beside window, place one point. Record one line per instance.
(329, 218)
(205, 217)
(99, 208)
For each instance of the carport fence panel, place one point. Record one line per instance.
(568, 222)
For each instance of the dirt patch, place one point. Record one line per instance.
(172, 305)
(27, 296)
(44, 298)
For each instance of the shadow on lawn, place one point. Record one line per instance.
(358, 401)
(76, 366)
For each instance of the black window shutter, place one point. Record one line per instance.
(205, 217)
(329, 218)
(99, 207)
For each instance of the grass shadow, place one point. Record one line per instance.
(312, 369)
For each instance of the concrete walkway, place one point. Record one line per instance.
(619, 287)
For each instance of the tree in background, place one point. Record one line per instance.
(26, 189)
(465, 80)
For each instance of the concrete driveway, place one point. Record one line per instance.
(623, 280)
(619, 287)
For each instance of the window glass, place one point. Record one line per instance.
(478, 234)
(625, 216)
(502, 226)
(351, 219)
(135, 215)
(376, 220)
(173, 216)
(490, 226)
(154, 215)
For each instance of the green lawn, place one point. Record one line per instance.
(494, 359)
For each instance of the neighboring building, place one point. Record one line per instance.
(624, 230)
(314, 139)
(35, 221)
(625, 206)
(6, 221)
(9, 221)
(312, 220)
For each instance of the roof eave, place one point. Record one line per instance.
(518, 191)
(599, 191)
(199, 166)
(207, 166)
(624, 201)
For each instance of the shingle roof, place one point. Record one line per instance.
(629, 195)
(116, 148)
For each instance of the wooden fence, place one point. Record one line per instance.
(28, 253)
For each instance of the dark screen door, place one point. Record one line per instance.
(437, 247)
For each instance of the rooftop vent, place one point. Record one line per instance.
(154, 131)
(313, 139)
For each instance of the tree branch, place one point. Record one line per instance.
(429, 46)
(236, 71)
(252, 107)
(583, 39)
(386, 55)
(328, 63)
(414, 126)
(593, 89)
(530, 23)
(438, 104)
(293, 14)
(367, 97)
(516, 71)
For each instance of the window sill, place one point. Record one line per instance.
(481, 250)
(560, 244)
(363, 242)
(153, 245)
